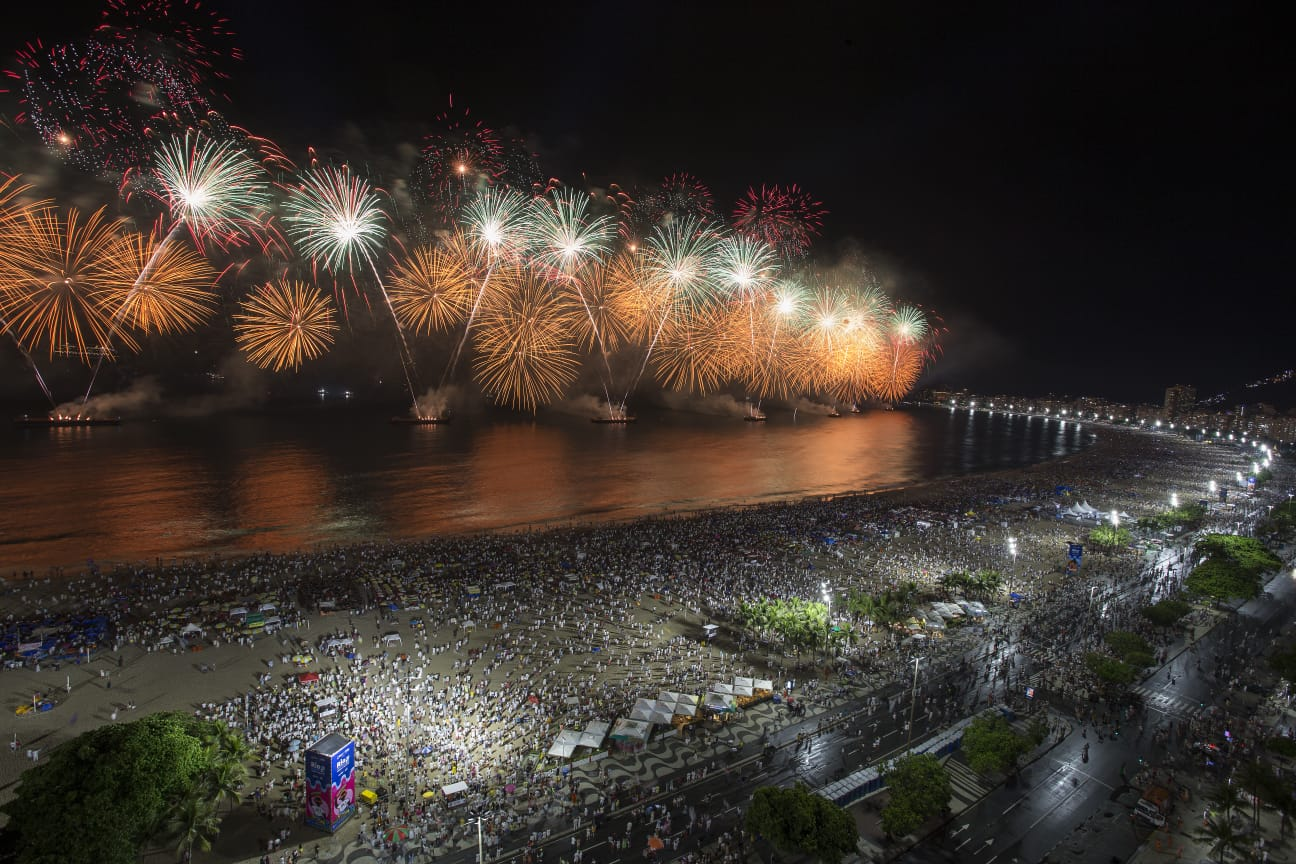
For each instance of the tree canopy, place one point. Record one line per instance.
(1233, 567)
(919, 789)
(992, 746)
(796, 820)
(113, 791)
(1109, 669)
(1110, 536)
(797, 622)
(1165, 613)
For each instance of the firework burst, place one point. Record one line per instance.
(432, 289)
(53, 268)
(213, 188)
(784, 218)
(162, 287)
(282, 324)
(526, 348)
(335, 218)
(565, 236)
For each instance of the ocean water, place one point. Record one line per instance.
(300, 478)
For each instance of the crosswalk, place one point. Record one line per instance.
(964, 783)
(1166, 703)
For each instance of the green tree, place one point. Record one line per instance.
(798, 821)
(1259, 779)
(1109, 669)
(919, 789)
(1218, 833)
(1110, 536)
(1124, 643)
(1282, 746)
(992, 746)
(193, 822)
(108, 793)
(1283, 662)
(1165, 613)
(1224, 798)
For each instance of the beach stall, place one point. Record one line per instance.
(652, 711)
(455, 795)
(630, 735)
(565, 744)
(594, 733)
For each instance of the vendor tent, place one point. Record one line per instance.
(651, 711)
(742, 686)
(565, 744)
(763, 684)
(630, 734)
(719, 703)
(595, 732)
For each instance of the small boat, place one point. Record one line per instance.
(422, 421)
(855, 409)
(834, 413)
(26, 421)
(622, 418)
(755, 418)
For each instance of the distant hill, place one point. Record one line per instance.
(1277, 390)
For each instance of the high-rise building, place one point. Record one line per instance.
(1179, 399)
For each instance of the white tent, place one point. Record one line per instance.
(680, 703)
(565, 744)
(631, 734)
(595, 732)
(763, 684)
(720, 702)
(742, 686)
(190, 628)
(723, 689)
(651, 711)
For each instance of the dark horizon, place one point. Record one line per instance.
(1085, 193)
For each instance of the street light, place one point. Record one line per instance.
(913, 701)
(477, 816)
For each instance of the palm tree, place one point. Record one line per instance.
(225, 780)
(193, 822)
(1225, 799)
(1258, 780)
(1219, 833)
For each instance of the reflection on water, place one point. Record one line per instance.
(240, 484)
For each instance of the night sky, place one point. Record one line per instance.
(1093, 195)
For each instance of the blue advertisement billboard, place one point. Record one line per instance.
(330, 782)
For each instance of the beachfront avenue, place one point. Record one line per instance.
(462, 660)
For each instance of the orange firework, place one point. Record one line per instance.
(284, 323)
(433, 288)
(526, 345)
(594, 291)
(53, 268)
(691, 353)
(160, 286)
(634, 296)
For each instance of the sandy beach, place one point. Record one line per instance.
(566, 626)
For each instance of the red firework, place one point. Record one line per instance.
(196, 38)
(456, 159)
(783, 217)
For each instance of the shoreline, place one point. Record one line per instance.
(241, 542)
(72, 570)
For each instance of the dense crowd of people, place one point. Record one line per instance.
(459, 658)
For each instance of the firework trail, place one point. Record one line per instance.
(496, 233)
(566, 239)
(337, 221)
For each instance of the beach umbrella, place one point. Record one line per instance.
(396, 833)
(655, 843)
